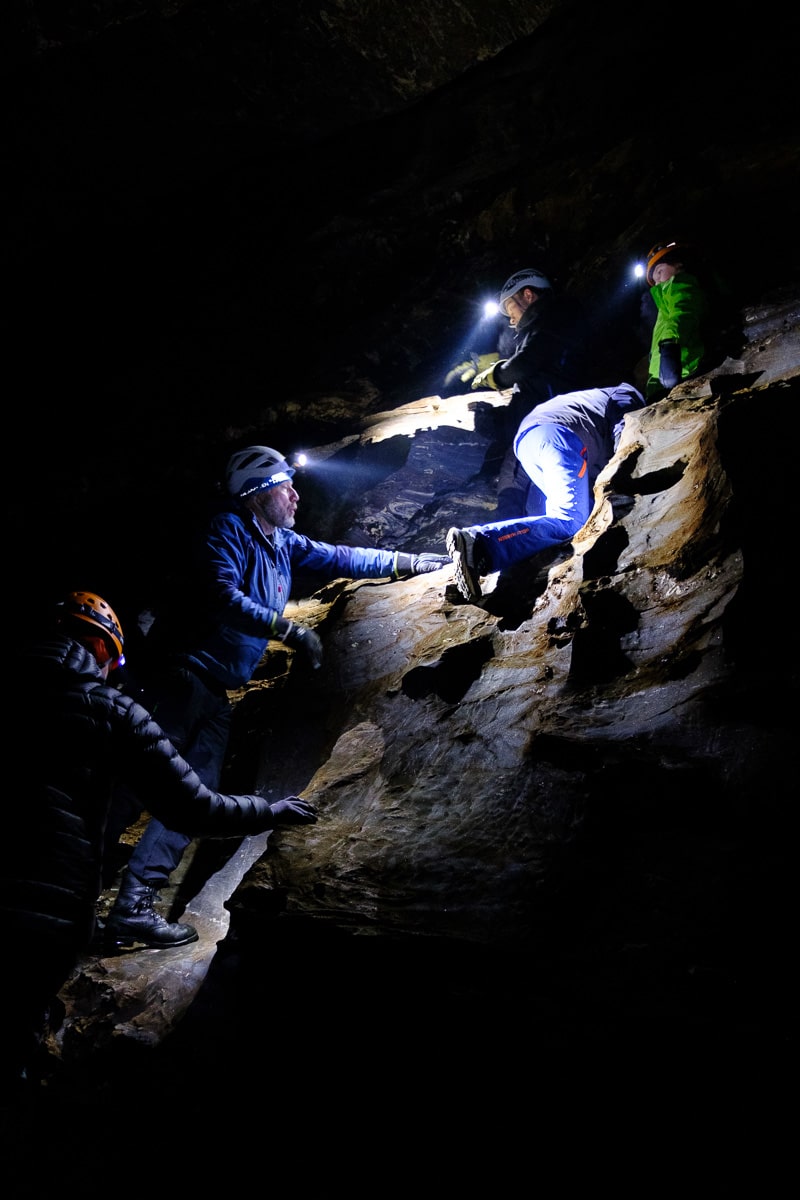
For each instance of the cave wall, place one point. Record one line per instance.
(261, 222)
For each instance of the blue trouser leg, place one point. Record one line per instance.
(555, 460)
(517, 495)
(197, 721)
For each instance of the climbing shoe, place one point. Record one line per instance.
(461, 548)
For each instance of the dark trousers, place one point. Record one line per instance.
(197, 720)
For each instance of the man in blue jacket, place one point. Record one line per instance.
(560, 447)
(242, 580)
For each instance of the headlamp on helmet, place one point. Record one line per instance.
(255, 469)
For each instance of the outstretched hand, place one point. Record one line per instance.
(406, 565)
(484, 380)
(421, 564)
(293, 811)
(300, 637)
(463, 373)
(466, 372)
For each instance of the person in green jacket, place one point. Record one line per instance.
(677, 345)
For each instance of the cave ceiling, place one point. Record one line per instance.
(264, 221)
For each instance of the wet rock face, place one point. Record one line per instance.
(595, 751)
(462, 749)
(555, 812)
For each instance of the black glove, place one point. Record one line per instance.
(293, 811)
(406, 565)
(669, 372)
(421, 564)
(300, 637)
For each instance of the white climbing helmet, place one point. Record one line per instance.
(255, 469)
(521, 279)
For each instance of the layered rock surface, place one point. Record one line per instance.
(554, 822)
(483, 769)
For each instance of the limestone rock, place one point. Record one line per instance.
(468, 760)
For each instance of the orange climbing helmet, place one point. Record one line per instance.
(659, 252)
(94, 610)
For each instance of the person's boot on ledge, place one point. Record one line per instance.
(133, 919)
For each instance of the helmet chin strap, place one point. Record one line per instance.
(98, 648)
(256, 505)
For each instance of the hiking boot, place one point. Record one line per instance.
(461, 548)
(134, 921)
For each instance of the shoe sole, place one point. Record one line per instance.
(130, 943)
(466, 577)
(125, 941)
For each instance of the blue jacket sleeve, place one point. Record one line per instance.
(328, 561)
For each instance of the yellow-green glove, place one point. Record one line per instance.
(487, 360)
(466, 371)
(463, 373)
(485, 378)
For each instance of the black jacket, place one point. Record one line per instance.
(85, 736)
(550, 358)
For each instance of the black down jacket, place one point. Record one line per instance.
(551, 356)
(75, 737)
